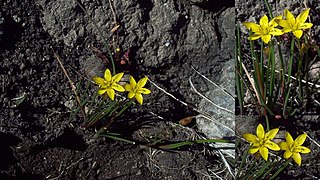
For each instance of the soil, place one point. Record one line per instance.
(39, 141)
(307, 117)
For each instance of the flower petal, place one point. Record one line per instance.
(305, 26)
(142, 82)
(289, 139)
(144, 91)
(297, 158)
(102, 91)
(111, 93)
(282, 23)
(253, 149)
(139, 98)
(131, 94)
(264, 153)
(260, 132)
(254, 37)
(302, 17)
(272, 133)
(250, 138)
(304, 150)
(287, 154)
(297, 33)
(128, 87)
(107, 75)
(133, 82)
(284, 146)
(271, 145)
(266, 38)
(264, 22)
(98, 80)
(253, 26)
(273, 22)
(300, 139)
(289, 17)
(276, 32)
(117, 77)
(117, 87)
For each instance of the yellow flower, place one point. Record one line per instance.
(109, 84)
(264, 30)
(262, 141)
(295, 25)
(137, 89)
(293, 147)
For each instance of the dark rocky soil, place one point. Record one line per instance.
(165, 39)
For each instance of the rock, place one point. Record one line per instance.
(314, 71)
(211, 128)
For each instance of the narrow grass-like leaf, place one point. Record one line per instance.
(238, 61)
(185, 143)
(287, 85)
(115, 137)
(284, 165)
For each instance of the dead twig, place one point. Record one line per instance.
(73, 87)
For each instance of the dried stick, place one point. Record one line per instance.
(73, 87)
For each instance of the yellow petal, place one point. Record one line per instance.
(118, 87)
(273, 22)
(271, 145)
(289, 17)
(305, 26)
(254, 37)
(128, 87)
(110, 93)
(283, 23)
(272, 133)
(284, 146)
(142, 82)
(253, 149)
(107, 75)
(102, 91)
(264, 153)
(132, 82)
(139, 98)
(98, 80)
(287, 154)
(297, 158)
(260, 132)
(264, 22)
(289, 139)
(144, 91)
(297, 33)
(253, 26)
(304, 150)
(117, 77)
(276, 32)
(287, 29)
(266, 38)
(250, 138)
(300, 139)
(131, 94)
(302, 17)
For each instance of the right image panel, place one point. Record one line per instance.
(278, 89)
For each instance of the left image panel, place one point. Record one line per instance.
(117, 89)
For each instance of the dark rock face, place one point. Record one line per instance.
(160, 32)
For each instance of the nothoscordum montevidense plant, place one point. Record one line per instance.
(295, 25)
(264, 30)
(293, 148)
(108, 84)
(262, 141)
(137, 89)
